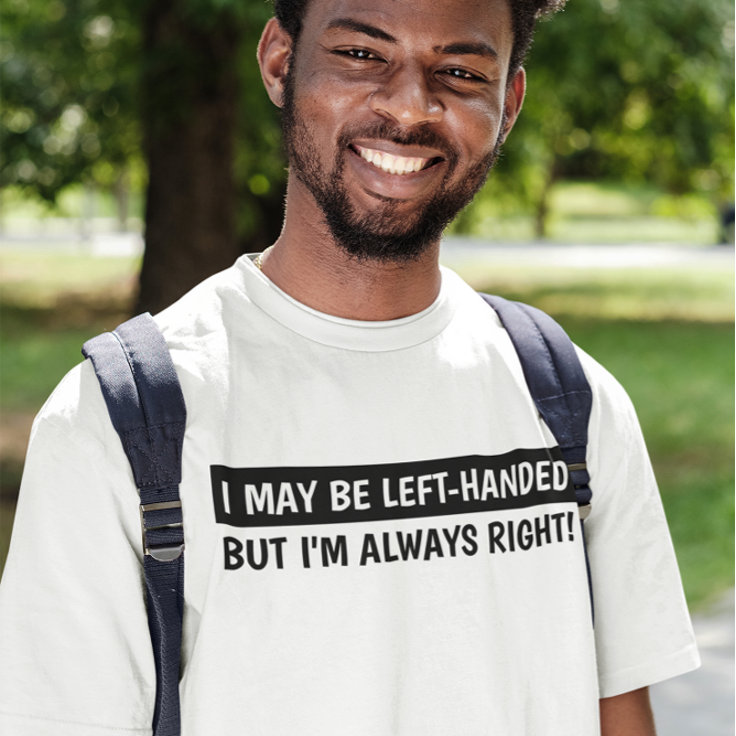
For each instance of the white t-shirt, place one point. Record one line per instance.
(380, 538)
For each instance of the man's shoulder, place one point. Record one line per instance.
(202, 310)
(75, 410)
(605, 386)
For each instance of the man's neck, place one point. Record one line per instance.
(307, 264)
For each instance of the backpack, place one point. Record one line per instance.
(147, 409)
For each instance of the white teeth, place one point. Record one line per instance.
(390, 163)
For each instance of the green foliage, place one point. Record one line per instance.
(72, 104)
(639, 92)
(260, 168)
(69, 93)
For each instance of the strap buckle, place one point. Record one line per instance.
(582, 490)
(161, 553)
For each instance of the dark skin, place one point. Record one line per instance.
(413, 64)
(343, 75)
(629, 714)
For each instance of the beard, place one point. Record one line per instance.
(390, 235)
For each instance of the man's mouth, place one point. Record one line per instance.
(393, 164)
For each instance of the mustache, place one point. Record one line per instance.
(384, 130)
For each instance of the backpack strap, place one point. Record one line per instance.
(558, 386)
(146, 406)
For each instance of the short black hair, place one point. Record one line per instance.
(524, 16)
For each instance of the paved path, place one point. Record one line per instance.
(456, 251)
(701, 703)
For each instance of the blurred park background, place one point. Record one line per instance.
(140, 154)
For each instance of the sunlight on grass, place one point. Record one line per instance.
(636, 294)
(37, 278)
(680, 378)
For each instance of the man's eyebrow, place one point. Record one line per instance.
(468, 47)
(350, 24)
(476, 48)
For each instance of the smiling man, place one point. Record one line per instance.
(393, 116)
(381, 534)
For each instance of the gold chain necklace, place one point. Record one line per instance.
(258, 260)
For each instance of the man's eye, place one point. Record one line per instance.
(362, 54)
(463, 74)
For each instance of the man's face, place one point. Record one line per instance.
(393, 113)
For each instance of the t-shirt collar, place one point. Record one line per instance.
(365, 336)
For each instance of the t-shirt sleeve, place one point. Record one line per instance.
(642, 627)
(75, 651)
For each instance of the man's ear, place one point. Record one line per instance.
(513, 101)
(274, 58)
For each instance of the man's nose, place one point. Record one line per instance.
(407, 98)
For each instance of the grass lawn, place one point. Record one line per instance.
(666, 335)
(51, 303)
(680, 378)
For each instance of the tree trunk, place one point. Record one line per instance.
(121, 191)
(189, 115)
(541, 217)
